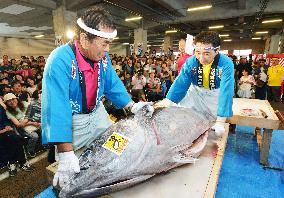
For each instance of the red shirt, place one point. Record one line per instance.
(182, 60)
(91, 78)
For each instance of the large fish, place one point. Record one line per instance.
(135, 149)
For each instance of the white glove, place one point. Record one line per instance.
(219, 126)
(139, 105)
(163, 103)
(68, 166)
(219, 129)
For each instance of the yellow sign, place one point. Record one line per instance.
(116, 143)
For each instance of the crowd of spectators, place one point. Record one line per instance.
(259, 79)
(20, 113)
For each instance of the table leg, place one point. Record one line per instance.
(264, 151)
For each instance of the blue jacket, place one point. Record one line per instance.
(62, 95)
(224, 79)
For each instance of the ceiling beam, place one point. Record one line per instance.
(175, 6)
(75, 5)
(41, 3)
(242, 4)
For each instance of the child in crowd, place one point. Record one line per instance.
(246, 84)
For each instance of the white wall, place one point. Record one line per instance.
(17, 47)
(119, 49)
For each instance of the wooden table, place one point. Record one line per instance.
(192, 180)
(268, 124)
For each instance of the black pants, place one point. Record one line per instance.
(273, 94)
(260, 92)
(11, 148)
(153, 96)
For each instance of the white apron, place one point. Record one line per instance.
(87, 127)
(201, 98)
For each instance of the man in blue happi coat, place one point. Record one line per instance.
(76, 77)
(206, 81)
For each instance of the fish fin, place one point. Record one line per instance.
(103, 190)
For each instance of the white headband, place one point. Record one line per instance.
(207, 48)
(96, 32)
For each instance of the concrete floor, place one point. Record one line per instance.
(25, 184)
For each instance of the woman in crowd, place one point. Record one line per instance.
(31, 86)
(11, 145)
(138, 83)
(246, 84)
(154, 88)
(16, 112)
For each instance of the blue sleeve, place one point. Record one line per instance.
(115, 90)
(56, 108)
(181, 84)
(225, 100)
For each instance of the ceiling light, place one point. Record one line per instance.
(171, 31)
(199, 8)
(227, 40)
(115, 38)
(70, 34)
(263, 32)
(133, 18)
(216, 26)
(272, 21)
(256, 38)
(125, 43)
(223, 35)
(39, 36)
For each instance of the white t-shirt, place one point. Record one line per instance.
(138, 83)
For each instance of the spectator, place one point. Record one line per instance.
(33, 112)
(11, 145)
(5, 61)
(183, 56)
(275, 75)
(18, 91)
(38, 77)
(260, 76)
(5, 89)
(31, 86)
(154, 91)
(16, 112)
(20, 78)
(243, 64)
(246, 84)
(127, 80)
(129, 68)
(138, 83)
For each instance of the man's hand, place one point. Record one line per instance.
(9, 128)
(139, 105)
(68, 166)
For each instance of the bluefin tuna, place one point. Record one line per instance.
(137, 148)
